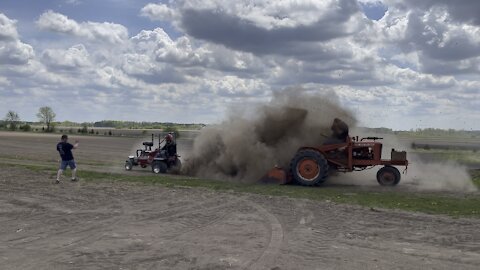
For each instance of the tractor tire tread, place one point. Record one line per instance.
(392, 169)
(321, 160)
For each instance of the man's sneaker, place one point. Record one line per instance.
(57, 181)
(74, 179)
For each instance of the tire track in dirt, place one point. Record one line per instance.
(93, 233)
(196, 219)
(197, 224)
(122, 215)
(67, 216)
(267, 259)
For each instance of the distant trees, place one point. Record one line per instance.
(84, 129)
(144, 125)
(172, 129)
(46, 116)
(12, 119)
(26, 127)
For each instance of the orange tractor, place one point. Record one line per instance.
(312, 165)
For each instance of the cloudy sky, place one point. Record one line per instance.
(396, 63)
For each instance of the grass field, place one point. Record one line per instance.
(476, 177)
(455, 205)
(470, 158)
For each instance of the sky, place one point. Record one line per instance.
(401, 64)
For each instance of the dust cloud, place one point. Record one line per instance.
(432, 175)
(447, 176)
(251, 141)
(422, 174)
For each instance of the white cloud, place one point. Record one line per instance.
(159, 12)
(73, 2)
(74, 57)
(463, 11)
(15, 53)
(417, 62)
(93, 31)
(442, 45)
(8, 31)
(264, 27)
(12, 50)
(4, 81)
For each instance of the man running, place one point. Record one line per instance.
(65, 150)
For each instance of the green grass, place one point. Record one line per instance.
(467, 205)
(476, 177)
(50, 160)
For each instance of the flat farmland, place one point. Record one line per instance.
(100, 152)
(116, 220)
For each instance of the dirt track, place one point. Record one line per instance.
(128, 226)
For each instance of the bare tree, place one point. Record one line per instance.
(12, 119)
(46, 116)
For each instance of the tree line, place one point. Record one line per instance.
(45, 116)
(144, 125)
(428, 132)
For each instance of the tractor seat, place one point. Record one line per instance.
(148, 144)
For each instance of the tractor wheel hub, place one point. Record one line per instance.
(308, 169)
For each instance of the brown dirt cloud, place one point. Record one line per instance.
(251, 141)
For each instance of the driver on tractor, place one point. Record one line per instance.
(339, 132)
(170, 146)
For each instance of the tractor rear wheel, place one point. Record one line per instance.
(159, 167)
(388, 176)
(309, 168)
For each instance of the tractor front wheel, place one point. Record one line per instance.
(388, 176)
(309, 168)
(159, 167)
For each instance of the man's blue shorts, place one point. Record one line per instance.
(70, 163)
